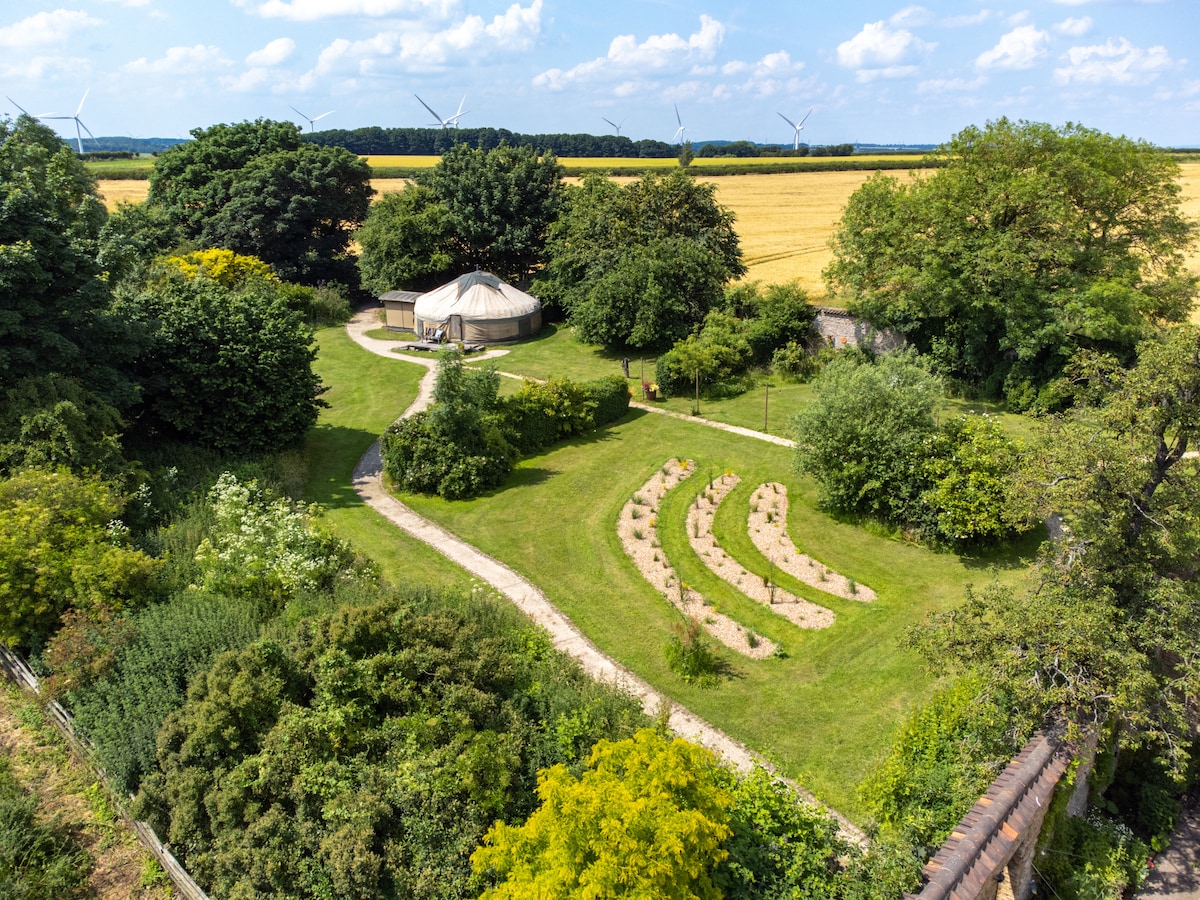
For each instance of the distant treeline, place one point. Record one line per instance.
(376, 141)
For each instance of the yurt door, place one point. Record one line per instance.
(456, 328)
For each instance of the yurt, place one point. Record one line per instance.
(476, 308)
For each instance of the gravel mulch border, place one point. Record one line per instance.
(701, 513)
(637, 527)
(767, 526)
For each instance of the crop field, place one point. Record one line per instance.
(784, 221)
(609, 162)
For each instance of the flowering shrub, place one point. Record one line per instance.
(265, 547)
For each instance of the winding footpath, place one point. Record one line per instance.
(368, 484)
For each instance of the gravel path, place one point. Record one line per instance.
(368, 483)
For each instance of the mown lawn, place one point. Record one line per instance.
(366, 393)
(825, 711)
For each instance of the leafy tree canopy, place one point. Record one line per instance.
(646, 819)
(227, 368)
(256, 189)
(501, 204)
(1106, 630)
(53, 301)
(405, 241)
(1029, 244)
(640, 265)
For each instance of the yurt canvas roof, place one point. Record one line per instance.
(476, 295)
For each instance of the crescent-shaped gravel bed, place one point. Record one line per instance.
(637, 527)
(700, 517)
(768, 530)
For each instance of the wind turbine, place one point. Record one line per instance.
(311, 122)
(799, 128)
(18, 106)
(679, 132)
(446, 123)
(616, 125)
(78, 123)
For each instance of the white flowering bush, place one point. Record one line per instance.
(265, 547)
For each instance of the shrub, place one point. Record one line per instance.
(611, 396)
(38, 861)
(794, 361)
(1093, 858)
(689, 655)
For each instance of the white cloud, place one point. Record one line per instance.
(312, 10)
(1021, 48)
(180, 61)
(46, 28)
(1114, 63)
(273, 54)
(881, 47)
(40, 68)
(659, 51)
(912, 16)
(966, 20)
(950, 85)
(1073, 27)
(865, 76)
(247, 81)
(772, 74)
(515, 30)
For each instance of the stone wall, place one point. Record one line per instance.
(837, 328)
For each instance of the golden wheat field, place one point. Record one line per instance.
(784, 221)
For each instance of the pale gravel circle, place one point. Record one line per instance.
(767, 525)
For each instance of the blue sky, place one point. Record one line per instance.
(871, 71)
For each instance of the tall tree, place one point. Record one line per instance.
(1107, 630)
(501, 205)
(194, 180)
(405, 241)
(641, 264)
(256, 189)
(296, 210)
(1029, 244)
(53, 300)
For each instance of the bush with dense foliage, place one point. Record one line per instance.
(1028, 245)
(229, 368)
(249, 557)
(60, 549)
(640, 265)
(469, 440)
(365, 754)
(864, 436)
(646, 818)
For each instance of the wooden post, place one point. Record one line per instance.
(766, 402)
(696, 408)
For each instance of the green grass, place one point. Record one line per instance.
(769, 406)
(366, 393)
(825, 712)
